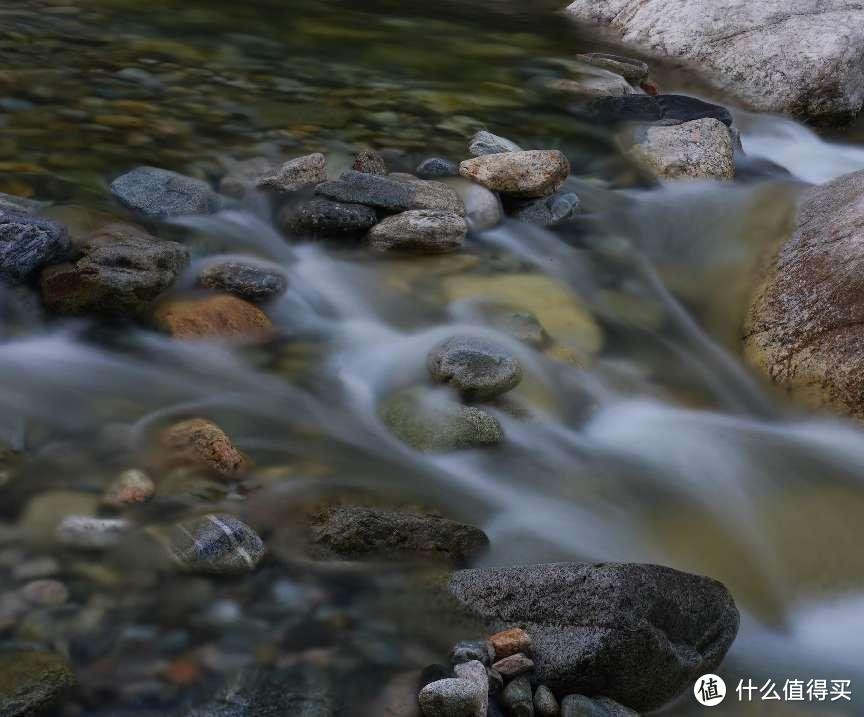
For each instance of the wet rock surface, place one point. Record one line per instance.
(83, 531)
(306, 171)
(672, 109)
(324, 218)
(246, 280)
(122, 270)
(630, 69)
(199, 443)
(353, 532)
(479, 369)
(743, 50)
(160, 193)
(370, 189)
(548, 211)
(437, 168)
(466, 695)
(216, 543)
(701, 149)
(630, 632)
(427, 231)
(430, 422)
(212, 317)
(534, 173)
(27, 244)
(485, 142)
(31, 682)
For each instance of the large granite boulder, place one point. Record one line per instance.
(639, 634)
(744, 48)
(805, 327)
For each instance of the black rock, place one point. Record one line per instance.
(27, 244)
(299, 691)
(639, 634)
(12, 203)
(644, 108)
(323, 218)
(158, 193)
(31, 682)
(353, 532)
(468, 650)
(250, 281)
(436, 168)
(369, 189)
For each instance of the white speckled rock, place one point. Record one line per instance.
(744, 47)
(701, 149)
(426, 231)
(295, 174)
(533, 173)
(466, 695)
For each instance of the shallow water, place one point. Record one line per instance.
(648, 439)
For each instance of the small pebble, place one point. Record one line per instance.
(509, 642)
(517, 698)
(436, 168)
(130, 487)
(36, 568)
(295, 174)
(82, 531)
(514, 665)
(216, 543)
(479, 369)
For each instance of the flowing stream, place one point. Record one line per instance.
(647, 437)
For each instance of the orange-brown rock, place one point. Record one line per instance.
(510, 642)
(199, 443)
(220, 316)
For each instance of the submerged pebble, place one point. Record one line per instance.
(27, 244)
(217, 543)
(437, 168)
(31, 682)
(427, 231)
(245, 279)
(44, 592)
(295, 174)
(548, 211)
(130, 487)
(485, 142)
(478, 368)
(159, 193)
(323, 218)
(199, 443)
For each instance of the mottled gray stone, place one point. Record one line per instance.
(369, 189)
(487, 143)
(639, 634)
(437, 168)
(468, 650)
(323, 218)
(21, 205)
(159, 193)
(548, 211)
(478, 368)
(27, 244)
(426, 231)
(305, 171)
(250, 281)
(701, 149)
(545, 704)
(216, 543)
(466, 695)
(353, 532)
(31, 682)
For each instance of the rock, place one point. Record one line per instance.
(548, 211)
(219, 316)
(31, 682)
(46, 510)
(369, 189)
(466, 695)
(121, 272)
(83, 531)
(743, 48)
(129, 488)
(670, 109)
(322, 218)
(27, 244)
(514, 665)
(482, 207)
(640, 634)
(18, 205)
(630, 69)
(432, 195)
(158, 193)
(295, 174)
(701, 149)
(430, 422)
(496, 681)
(521, 325)
(468, 650)
(199, 443)
(437, 168)
(353, 532)
(433, 673)
(370, 162)
(300, 691)
(243, 176)
(44, 592)
(805, 324)
(217, 543)
(594, 85)
(534, 173)
(248, 280)
(485, 142)
(477, 368)
(510, 642)
(581, 706)
(426, 231)
(545, 704)
(516, 698)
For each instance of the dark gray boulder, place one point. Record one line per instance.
(479, 369)
(27, 244)
(373, 190)
(325, 218)
(299, 691)
(639, 634)
(248, 280)
(351, 532)
(437, 168)
(159, 193)
(548, 211)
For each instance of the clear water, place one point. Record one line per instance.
(650, 441)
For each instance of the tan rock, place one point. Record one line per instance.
(701, 149)
(295, 174)
(427, 231)
(199, 443)
(509, 642)
(533, 173)
(130, 487)
(805, 327)
(219, 316)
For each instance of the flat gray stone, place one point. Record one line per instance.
(305, 171)
(369, 189)
(159, 193)
(217, 543)
(325, 218)
(478, 368)
(487, 143)
(27, 244)
(248, 280)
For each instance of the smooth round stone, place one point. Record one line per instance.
(201, 444)
(517, 698)
(425, 231)
(479, 369)
(247, 280)
(370, 162)
(453, 697)
(160, 193)
(323, 218)
(27, 244)
(528, 174)
(482, 206)
(216, 543)
(220, 316)
(436, 168)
